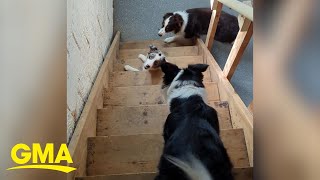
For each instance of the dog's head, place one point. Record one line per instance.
(171, 23)
(155, 58)
(191, 74)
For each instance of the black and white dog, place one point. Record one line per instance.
(192, 23)
(151, 61)
(193, 149)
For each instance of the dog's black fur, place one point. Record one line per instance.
(198, 24)
(192, 127)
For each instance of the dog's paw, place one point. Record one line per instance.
(127, 67)
(169, 40)
(141, 56)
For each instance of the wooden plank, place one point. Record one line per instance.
(139, 176)
(147, 95)
(123, 120)
(216, 12)
(240, 7)
(250, 107)
(222, 108)
(238, 48)
(129, 78)
(141, 153)
(234, 142)
(169, 51)
(245, 173)
(181, 61)
(123, 154)
(240, 115)
(86, 126)
(145, 44)
(242, 118)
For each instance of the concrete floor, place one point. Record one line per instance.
(141, 19)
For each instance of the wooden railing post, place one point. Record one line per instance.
(238, 48)
(216, 11)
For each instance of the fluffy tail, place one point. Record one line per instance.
(194, 168)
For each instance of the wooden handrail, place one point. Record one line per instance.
(238, 48)
(244, 34)
(240, 7)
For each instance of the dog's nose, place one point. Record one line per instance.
(147, 67)
(160, 34)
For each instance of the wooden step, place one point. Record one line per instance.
(139, 176)
(181, 61)
(140, 153)
(147, 95)
(168, 51)
(123, 120)
(129, 78)
(145, 43)
(239, 174)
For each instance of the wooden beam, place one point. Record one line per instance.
(87, 123)
(240, 115)
(250, 107)
(238, 48)
(216, 12)
(240, 7)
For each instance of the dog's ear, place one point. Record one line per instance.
(198, 67)
(167, 67)
(167, 15)
(170, 71)
(153, 48)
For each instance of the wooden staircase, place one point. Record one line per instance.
(127, 120)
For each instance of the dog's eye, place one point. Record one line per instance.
(160, 54)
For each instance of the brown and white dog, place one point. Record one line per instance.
(152, 61)
(192, 23)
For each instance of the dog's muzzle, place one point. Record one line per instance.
(147, 67)
(161, 32)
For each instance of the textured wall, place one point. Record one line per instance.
(90, 30)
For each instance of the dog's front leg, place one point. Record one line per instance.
(129, 68)
(170, 39)
(142, 57)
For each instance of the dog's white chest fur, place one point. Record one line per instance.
(185, 17)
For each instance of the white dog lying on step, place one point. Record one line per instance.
(152, 61)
